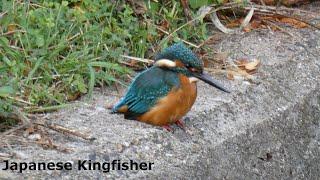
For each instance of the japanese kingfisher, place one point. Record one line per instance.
(164, 93)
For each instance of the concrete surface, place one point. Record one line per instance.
(268, 128)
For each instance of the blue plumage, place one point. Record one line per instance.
(180, 52)
(146, 89)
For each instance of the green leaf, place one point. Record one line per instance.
(79, 82)
(40, 41)
(154, 7)
(6, 91)
(34, 69)
(91, 80)
(4, 41)
(64, 3)
(8, 62)
(197, 3)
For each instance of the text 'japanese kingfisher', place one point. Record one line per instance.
(164, 93)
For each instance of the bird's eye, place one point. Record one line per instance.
(190, 68)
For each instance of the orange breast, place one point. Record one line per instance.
(174, 106)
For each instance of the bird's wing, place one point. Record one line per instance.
(147, 88)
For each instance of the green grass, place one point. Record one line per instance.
(52, 52)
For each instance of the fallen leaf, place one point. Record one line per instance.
(284, 2)
(241, 63)
(247, 29)
(29, 130)
(11, 27)
(255, 24)
(230, 75)
(237, 73)
(293, 22)
(139, 7)
(248, 66)
(252, 65)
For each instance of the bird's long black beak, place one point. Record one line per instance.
(207, 79)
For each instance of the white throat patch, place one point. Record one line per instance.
(193, 79)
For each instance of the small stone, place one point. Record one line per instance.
(126, 144)
(169, 155)
(246, 83)
(135, 142)
(20, 155)
(120, 147)
(34, 137)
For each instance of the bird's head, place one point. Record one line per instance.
(181, 59)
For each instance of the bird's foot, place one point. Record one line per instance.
(181, 124)
(168, 128)
(109, 106)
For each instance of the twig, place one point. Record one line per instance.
(186, 9)
(2, 14)
(278, 27)
(15, 47)
(217, 23)
(47, 109)
(14, 129)
(65, 130)
(128, 64)
(73, 37)
(20, 100)
(301, 20)
(11, 32)
(149, 61)
(247, 19)
(217, 34)
(187, 42)
(277, 11)
(221, 27)
(227, 6)
(53, 76)
(34, 4)
(5, 156)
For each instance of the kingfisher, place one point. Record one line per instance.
(162, 94)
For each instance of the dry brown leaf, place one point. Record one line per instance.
(11, 27)
(241, 63)
(247, 29)
(30, 130)
(247, 66)
(293, 22)
(284, 2)
(252, 65)
(139, 7)
(230, 75)
(234, 23)
(235, 73)
(75, 96)
(255, 24)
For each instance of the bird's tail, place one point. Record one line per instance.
(116, 107)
